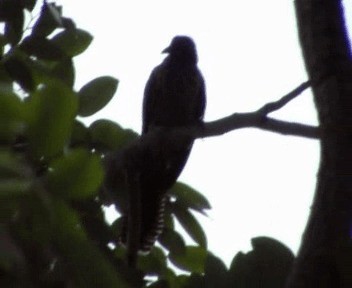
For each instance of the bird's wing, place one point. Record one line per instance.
(151, 92)
(201, 97)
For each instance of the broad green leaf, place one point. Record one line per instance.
(11, 106)
(96, 94)
(190, 198)
(11, 165)
(51, 111)
(87, 265)
(76, 175)
(193, 260)
(11, 115)
(190, 224)
(73, 41)
(14, 187)
(107, 134)
(9, 130)
(172, 241)
(169, 219)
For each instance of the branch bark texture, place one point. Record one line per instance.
(327, 58)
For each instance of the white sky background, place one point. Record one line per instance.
(259, 183)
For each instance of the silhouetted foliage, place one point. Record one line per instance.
(53, 232)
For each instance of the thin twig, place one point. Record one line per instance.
(273, 106)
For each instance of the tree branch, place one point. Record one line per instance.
(273, 106)
(257, 119)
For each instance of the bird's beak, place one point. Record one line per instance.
(166, 50)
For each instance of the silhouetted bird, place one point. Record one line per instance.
(174, 96)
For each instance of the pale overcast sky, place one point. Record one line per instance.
(258, 183)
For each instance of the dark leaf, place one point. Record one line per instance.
(195, 280)
(96, 94)
(76, 175)
(3, 42)
(11, 115)
(20, 72)
(44, 71)
(107, 134)
(215, 272)
(11, 166)
(29, 4)
(14, 27)
(88, 267)
(11, 257)
(14, 179)
(154, 263)
(188, 197)
(80, 135)
(193, 260)
(42, 48)
(11, 106)
(51, 111)
(73, 41)
(65, 71)
(68, 23)
(6, 83)
(172, 241)
(48, 21)
(93, 219)
(169, 219)
(13, 187)
(190, 224)
(267, 265)
(168, 280)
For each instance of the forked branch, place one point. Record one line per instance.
(258, 119)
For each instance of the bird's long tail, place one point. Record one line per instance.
(152, 222)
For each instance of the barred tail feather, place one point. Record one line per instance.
(152, 224)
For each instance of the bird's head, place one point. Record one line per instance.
(182, 48)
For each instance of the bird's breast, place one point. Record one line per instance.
(178, 98)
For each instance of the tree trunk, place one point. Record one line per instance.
(322, 260)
